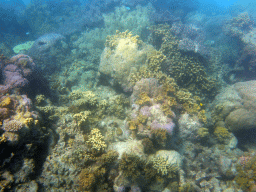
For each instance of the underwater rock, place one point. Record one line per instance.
(242, 27)
(247, 59)
(47, 48)
(238, 26)
(189, 126)
(25, 171)
(227, 167)
(44, 43)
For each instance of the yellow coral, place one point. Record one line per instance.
(163, 167)
(222, 134)
(96, 141)
(201, 115)
(187, 69)
(133, 125)
(3, 139)
(39, 99)
(29, 121)
(81, 117)
(86, 180)
(113, 41)
(155, 61)
(144, 99)
(203, 132)
(6, 102)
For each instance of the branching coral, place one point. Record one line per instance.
(82, 100)
(80, 118)
(98, 175)
(222, 134)
(164, 168)
(96, 141)
(239, 25)
(131, 165)
(125, 37)
(187, 70)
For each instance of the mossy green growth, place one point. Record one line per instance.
(23, 47)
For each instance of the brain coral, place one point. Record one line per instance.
(123, 55)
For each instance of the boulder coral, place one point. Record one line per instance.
(236, 106)
(123, 55)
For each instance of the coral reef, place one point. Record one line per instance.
(135, 113)
(167, 163)
(131, 166)
(97, 177)
(222, 134)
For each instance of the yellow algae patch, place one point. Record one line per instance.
(23, 47)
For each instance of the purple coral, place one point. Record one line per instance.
(145, 110)
(161, 121)
(168, 126)
(17, 73)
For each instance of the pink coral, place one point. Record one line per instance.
(18, 73)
